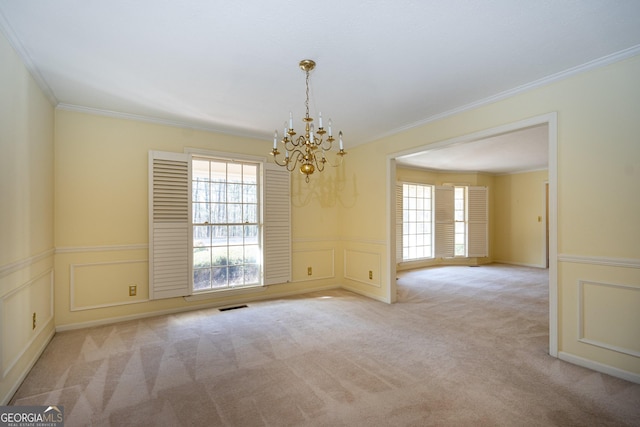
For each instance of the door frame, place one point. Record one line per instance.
(551, 120)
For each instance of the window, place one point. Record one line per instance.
(460, 220)
(216, 223)
(225, 220)
(441, 221)
(417, 225)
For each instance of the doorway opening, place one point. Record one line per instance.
(466, 142)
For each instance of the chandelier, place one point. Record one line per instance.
(308, 149)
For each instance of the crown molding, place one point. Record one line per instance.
(588, 66)
(14, 41)
(154, 120)
(28, 62)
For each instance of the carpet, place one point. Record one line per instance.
(462, 347)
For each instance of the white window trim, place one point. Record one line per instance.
(223, 155)
(201, 155)
(400, 223)
(205, 295)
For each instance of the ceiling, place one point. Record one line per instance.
(522, 150)
(382, 66)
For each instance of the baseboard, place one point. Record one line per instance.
(599, 367)
(215, 304)
(518, 264)
(365, 294)
(4, 400)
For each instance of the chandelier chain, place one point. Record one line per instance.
(306, 103)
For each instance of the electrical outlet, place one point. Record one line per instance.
(309, 271)
(34, 321)
(133, 290)
(370, 274)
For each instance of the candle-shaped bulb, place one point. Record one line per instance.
(340, 137)
(320, 120)
(330, 128)
(284, 130)
(311, 133)
(290, 120)
(275, 139)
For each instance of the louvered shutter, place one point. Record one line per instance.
(477, 224)
(277, 225)
(169, 224)
(444, 222)
(399, 222)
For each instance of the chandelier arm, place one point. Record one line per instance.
(301, 141)
(296, 156)
(325, 145)
(290, 165)
(275, 159)
(338, 160)
(289, 144)
(319, 162)
(285, 163)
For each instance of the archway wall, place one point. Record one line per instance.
(594, 253)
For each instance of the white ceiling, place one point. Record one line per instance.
(518, 151)
(383, 66)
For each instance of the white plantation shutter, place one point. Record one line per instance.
(277, 225)
(478, 221)
(444, 224)
(169, 225)
(399, 223)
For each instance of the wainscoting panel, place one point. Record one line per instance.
(362, 266)
(25, 312)
(106, 284)
(599, 312)
(609, 316)
(313, 264)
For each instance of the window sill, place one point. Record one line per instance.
(201, 296)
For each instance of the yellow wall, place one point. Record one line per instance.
(362, 226)
(101, 224)
(598, 167)
(26, 220)
(518, 215)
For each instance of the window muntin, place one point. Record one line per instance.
(226, 224)
(417, 224)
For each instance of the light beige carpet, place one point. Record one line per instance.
(463, 347)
